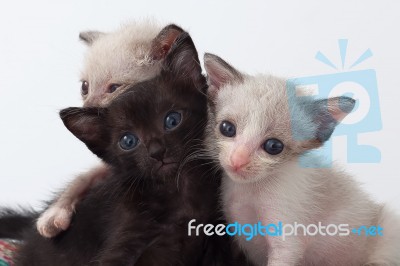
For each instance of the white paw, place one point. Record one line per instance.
(54, 220)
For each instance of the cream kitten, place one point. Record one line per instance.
(251, 133)
(113, 61)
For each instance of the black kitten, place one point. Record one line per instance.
(139, 215)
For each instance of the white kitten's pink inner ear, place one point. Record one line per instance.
(240, 157)
(219, 72)
(340, 107)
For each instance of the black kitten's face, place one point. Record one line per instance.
(154, 126)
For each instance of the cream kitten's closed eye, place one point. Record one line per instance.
(113, 87)
(258, 129)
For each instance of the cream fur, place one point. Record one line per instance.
(120, 57)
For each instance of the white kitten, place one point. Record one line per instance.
(252, 123)
(113, 61)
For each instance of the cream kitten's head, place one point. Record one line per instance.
(124, 57)
(256, 124)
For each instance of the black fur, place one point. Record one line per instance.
(139, 215)
(13, 223)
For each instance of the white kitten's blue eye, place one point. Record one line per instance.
(172, 120)
(128, 141)
(227, 129)
(273, 146)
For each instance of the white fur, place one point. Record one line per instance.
(273, 188)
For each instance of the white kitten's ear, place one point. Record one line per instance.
(90, 36)
(219, 73)
(162, 44)
(88, 125)
(328, 113)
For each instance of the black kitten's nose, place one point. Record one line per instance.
(157, 151)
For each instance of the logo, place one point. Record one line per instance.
(249, 231)
(362, 86)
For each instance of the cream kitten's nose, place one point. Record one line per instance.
(240, 157)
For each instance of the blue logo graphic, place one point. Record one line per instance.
(366, 117)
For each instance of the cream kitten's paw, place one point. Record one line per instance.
(53, 221)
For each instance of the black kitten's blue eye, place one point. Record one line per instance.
(172, 120)
(273, 146)
(227, 129)
(128, 141)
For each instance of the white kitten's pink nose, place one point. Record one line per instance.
(240, 157)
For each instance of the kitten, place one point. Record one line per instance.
(139, 214)
(113, 62)
(251, 135)
(117, 59)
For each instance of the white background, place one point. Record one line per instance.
(40, 60)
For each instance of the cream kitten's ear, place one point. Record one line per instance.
(162, 44)
(219, 73)
(90, 36)
(328, 113)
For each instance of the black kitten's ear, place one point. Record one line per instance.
(183, 63)
(327, 114)
(162, 44)
(90, 36)
(88, 125)
(219, 73)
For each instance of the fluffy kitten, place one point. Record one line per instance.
(251, 134)
(139, 214)
(113, 62)
(117, 59)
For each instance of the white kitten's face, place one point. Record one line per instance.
(258, 110)
(117, 59)
(256, 123)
